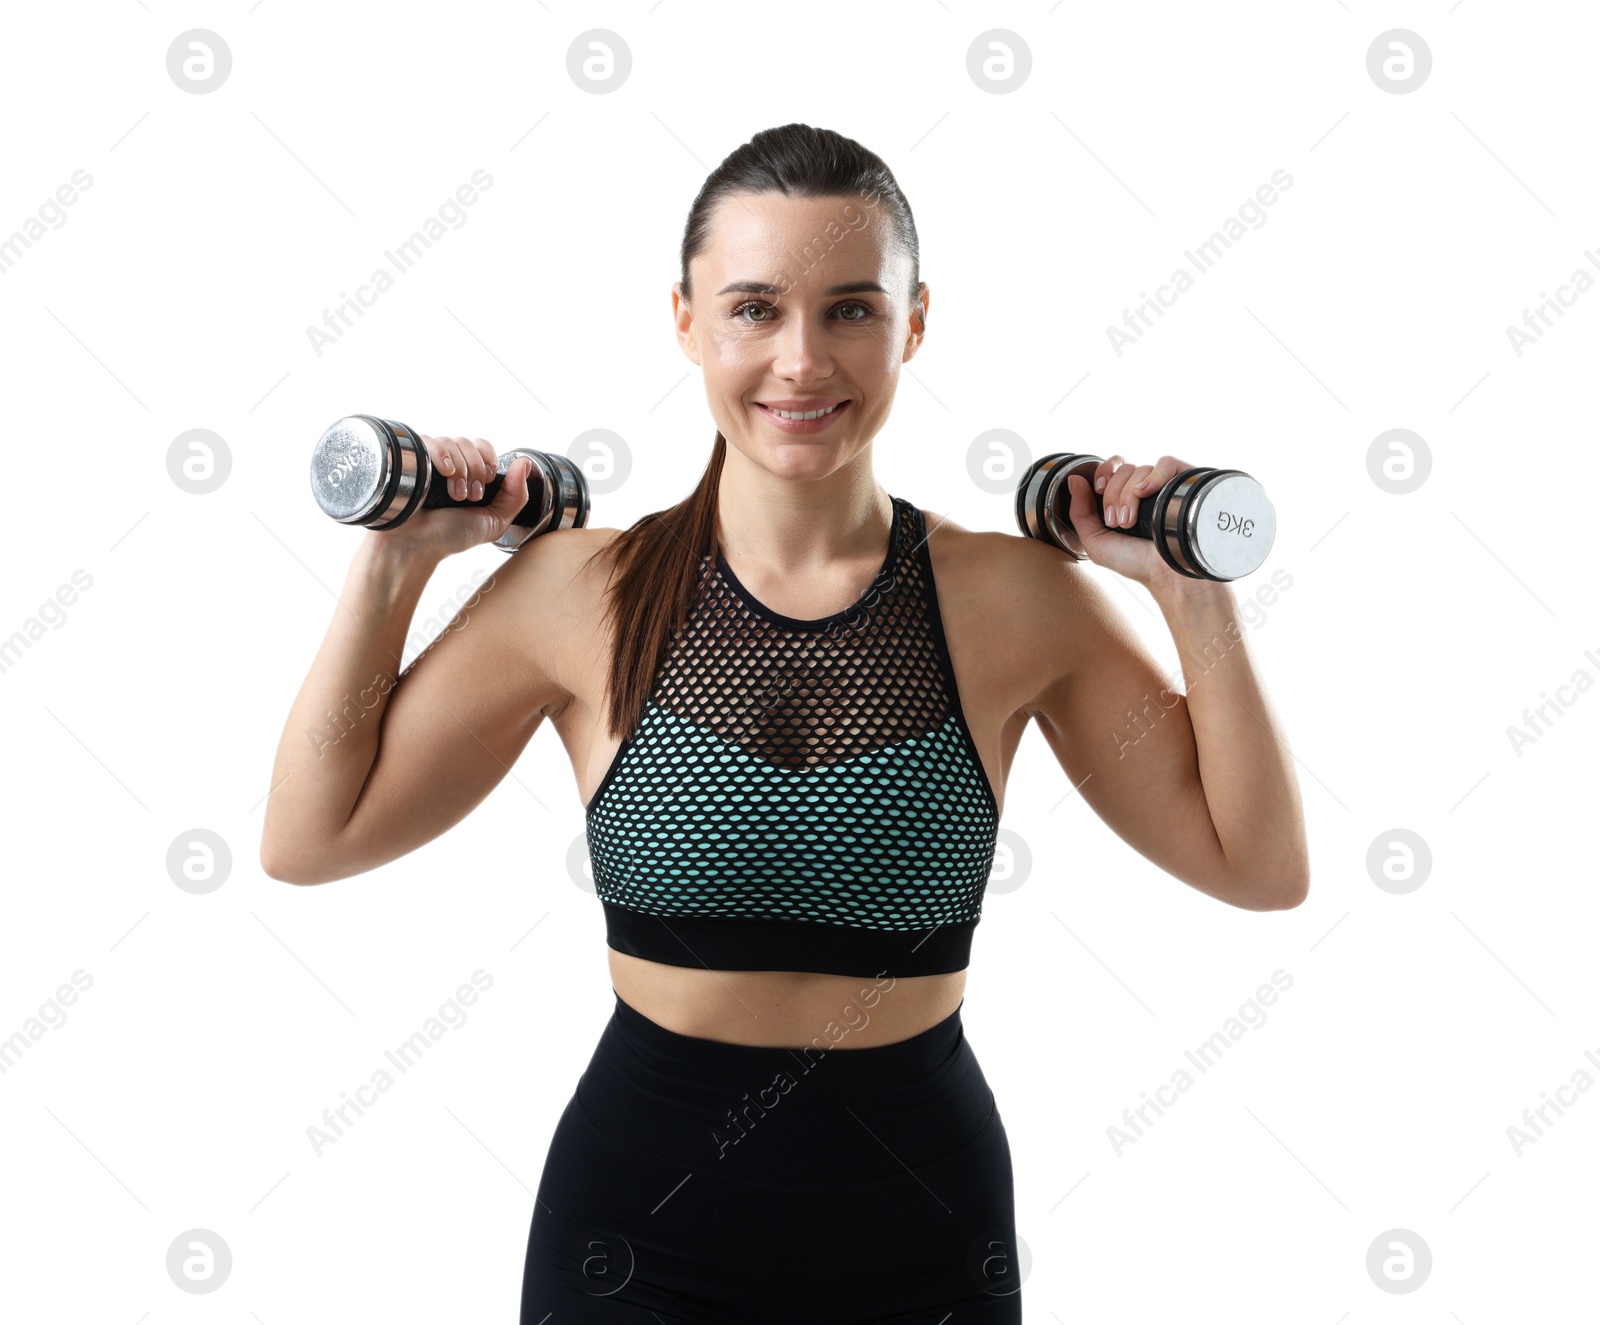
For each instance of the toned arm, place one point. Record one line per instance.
(1129, 744)
(412, 753)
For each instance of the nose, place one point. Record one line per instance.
(800, 351)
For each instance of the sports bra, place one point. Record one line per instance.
(800, 795)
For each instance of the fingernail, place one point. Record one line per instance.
(1124, 515)
(1100, 484)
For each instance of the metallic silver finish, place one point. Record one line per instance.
(1043, 499)
(365, 471)
(1209, 523)
(1230, 524)
(561, 503)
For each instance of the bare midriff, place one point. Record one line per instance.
(785, 1009)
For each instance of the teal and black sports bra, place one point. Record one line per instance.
(801, 795)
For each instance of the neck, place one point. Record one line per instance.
(801, 527)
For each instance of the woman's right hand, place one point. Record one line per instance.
(442, 530)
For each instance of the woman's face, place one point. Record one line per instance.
(800, 303)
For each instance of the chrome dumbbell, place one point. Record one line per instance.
(377, 473)
(1208, 524)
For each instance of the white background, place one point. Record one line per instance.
(1418, 628)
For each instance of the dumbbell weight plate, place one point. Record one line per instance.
(559, 498)
(369, 471)
(1218, 523)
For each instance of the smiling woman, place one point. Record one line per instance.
(790, 702)
(794, 827)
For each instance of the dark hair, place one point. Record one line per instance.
(657, 562)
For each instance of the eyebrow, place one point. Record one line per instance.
(760, 287)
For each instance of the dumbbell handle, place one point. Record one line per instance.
(1144, 524)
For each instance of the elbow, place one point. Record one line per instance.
(287, 866)
(1292, 894)
(1282, 891)
(1284, 894)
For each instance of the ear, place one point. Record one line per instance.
(683, 324)
(917, 327)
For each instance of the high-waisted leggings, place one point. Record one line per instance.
(690, 1181)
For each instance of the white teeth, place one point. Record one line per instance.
(813, 414)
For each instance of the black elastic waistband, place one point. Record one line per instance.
(795, 1117)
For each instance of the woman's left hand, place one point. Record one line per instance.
(1122, 487)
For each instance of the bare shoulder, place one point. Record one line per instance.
(566, 568)
(1008, 571)
(1020, 608)
(552, 597)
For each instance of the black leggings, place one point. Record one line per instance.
(691, 1180)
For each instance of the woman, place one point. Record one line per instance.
(790, 702)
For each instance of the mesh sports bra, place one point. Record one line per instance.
(801, 795)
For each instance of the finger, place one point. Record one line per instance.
(1160, 472)
(470, 471)
(516, 490)
(1104, 470)
(1114, 497)
(442, 454)
(1129, 493)
(438, 453)
(513, 494)
(1081, 507)
(463, 480)
(488, 456)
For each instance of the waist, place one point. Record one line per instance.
(784, 1008)
(803, 1116)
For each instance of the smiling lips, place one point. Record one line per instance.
(799, 411)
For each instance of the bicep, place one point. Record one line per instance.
(1124, 738)
(461, 714)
